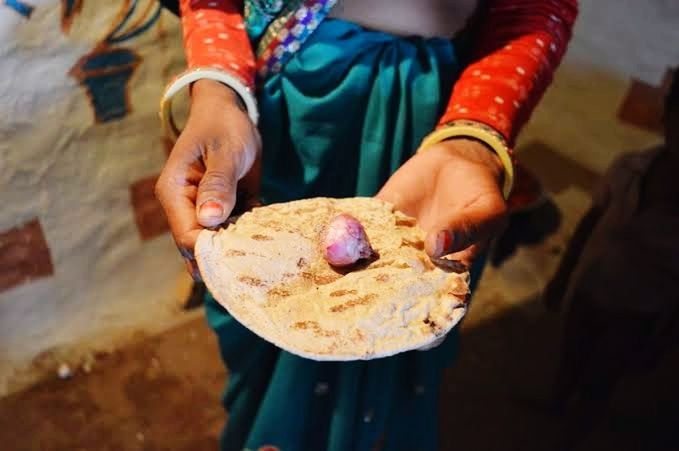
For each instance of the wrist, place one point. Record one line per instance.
(476, 151)
(476, 131)
(212, 91)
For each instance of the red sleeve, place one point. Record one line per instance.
(519, 46)
(215, 36)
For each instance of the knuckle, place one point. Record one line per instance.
(216, 181)
(210, 147)
(215, 144)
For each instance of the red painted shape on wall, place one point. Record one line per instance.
(148, 214)
(24, 255)
(644, 104)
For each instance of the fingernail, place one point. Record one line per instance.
(444, 240)
(210, 210)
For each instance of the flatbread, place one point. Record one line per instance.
(268, 271)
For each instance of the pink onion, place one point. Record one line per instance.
(344, 241)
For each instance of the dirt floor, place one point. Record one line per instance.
(163, 393)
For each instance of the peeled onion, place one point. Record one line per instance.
(344, 241)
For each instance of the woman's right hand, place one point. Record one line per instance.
(215, 159)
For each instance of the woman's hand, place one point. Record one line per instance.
(454, 191)
(215, 158)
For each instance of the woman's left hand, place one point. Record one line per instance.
(454, 190)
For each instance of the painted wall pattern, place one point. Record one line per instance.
(80, 149)
(20, 7)
(106, 71)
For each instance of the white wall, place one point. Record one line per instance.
(74, 175)
(614, 41)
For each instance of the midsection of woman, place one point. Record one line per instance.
(482, 92)
(426, 18)
(341, 107)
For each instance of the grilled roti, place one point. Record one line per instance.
(267, 269)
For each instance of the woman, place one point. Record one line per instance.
(343, 100)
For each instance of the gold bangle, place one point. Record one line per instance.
(485, 134)
(194, 74)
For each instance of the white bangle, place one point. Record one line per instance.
(192, 75)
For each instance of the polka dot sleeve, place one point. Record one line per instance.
(520, 44)
(215, 36)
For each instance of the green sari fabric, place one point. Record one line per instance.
(349, 108)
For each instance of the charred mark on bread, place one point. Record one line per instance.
(339, 293)
(252, 281)
(234, 253)
(260, 237)
(432, 325)
(278, 292)
(321, 279)
(315, 327)
(406, 222)
(382, 277)
(363, 300)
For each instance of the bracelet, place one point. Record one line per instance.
(192, 75)
(485, 134)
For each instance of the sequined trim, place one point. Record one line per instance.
(287, 32)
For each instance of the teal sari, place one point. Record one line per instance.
(342, 115)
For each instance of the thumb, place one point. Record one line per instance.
(459, 229)
(217, 190)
